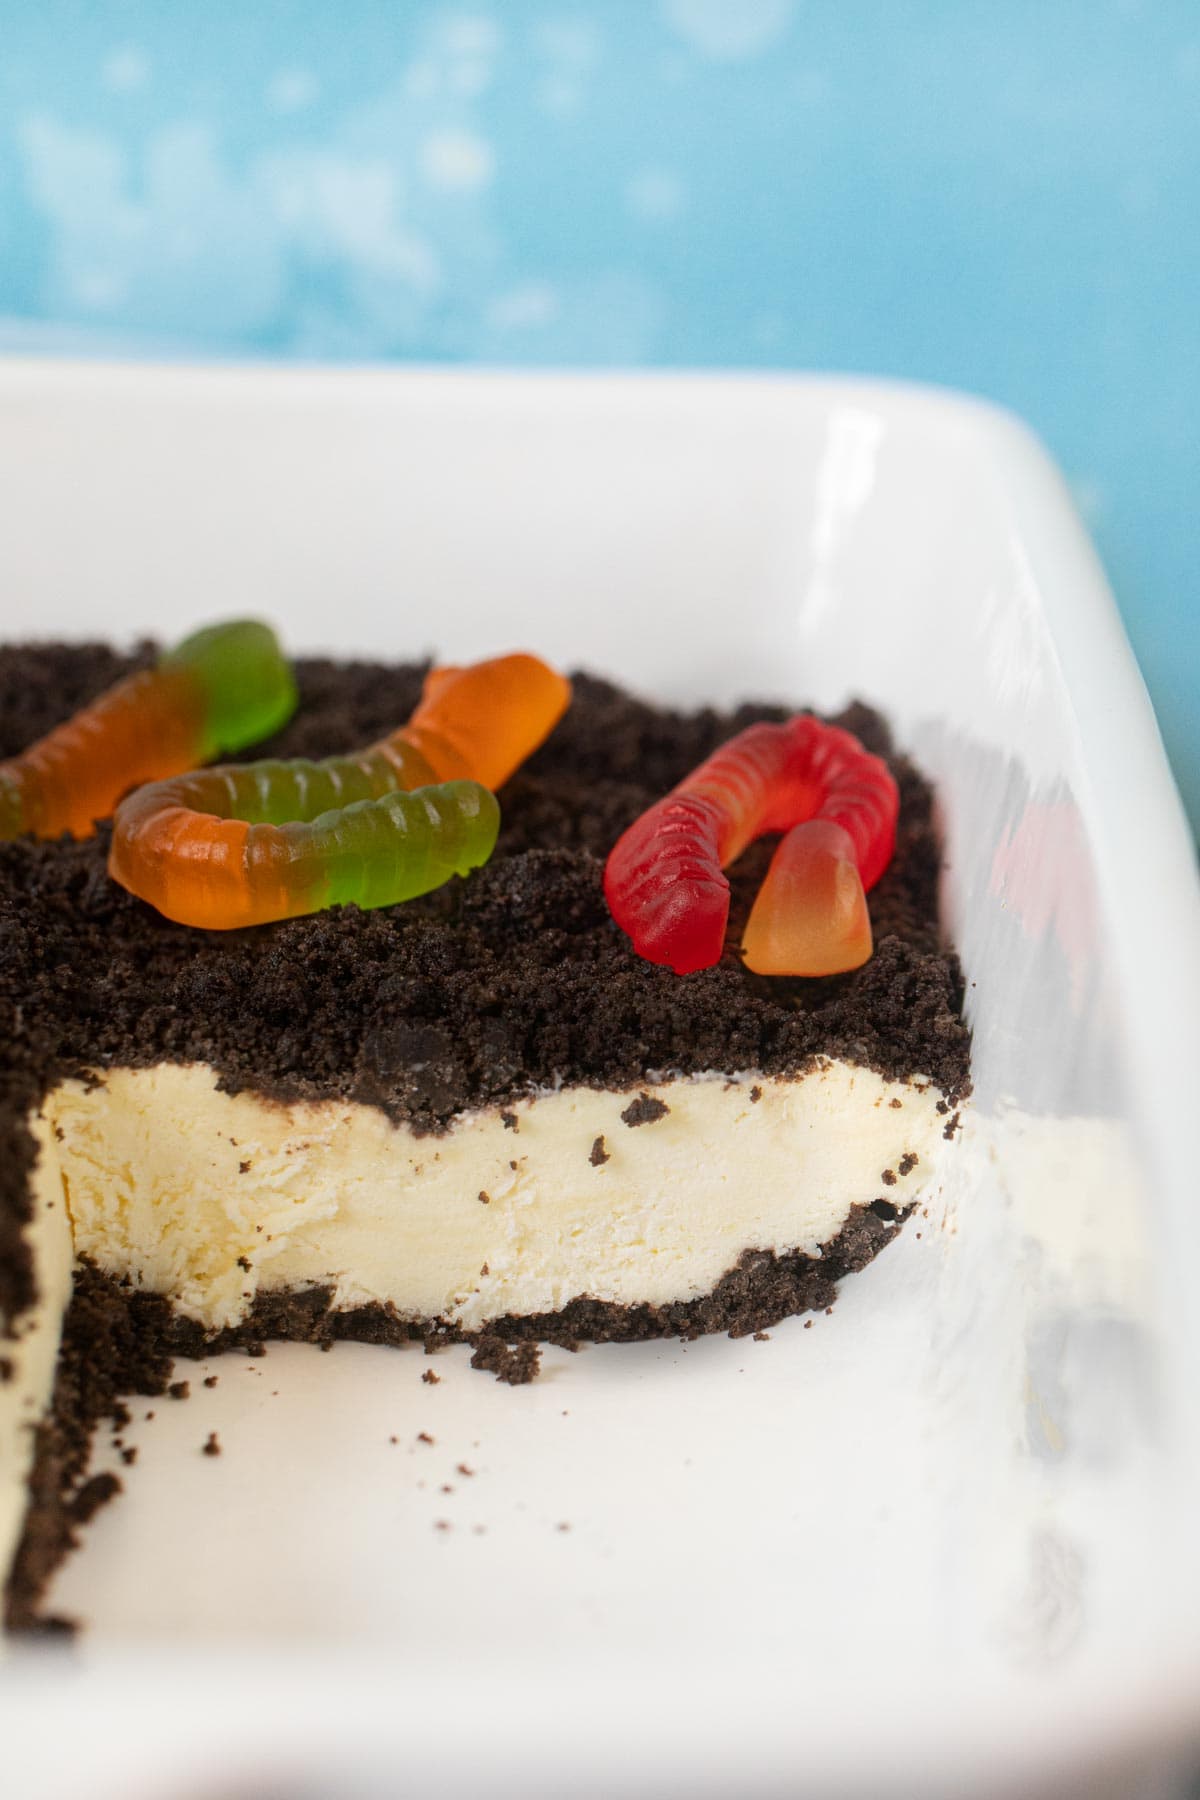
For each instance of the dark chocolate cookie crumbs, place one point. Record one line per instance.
(92, 1496)
(212, 1445)
(105, 1353)
(598, 1155)
(516, 1364)
(645, 1110)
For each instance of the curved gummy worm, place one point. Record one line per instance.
(242, 845)
(218, 692)
(837, 806)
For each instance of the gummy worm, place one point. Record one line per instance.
(837, 806)
(243, 845)
(219, 691)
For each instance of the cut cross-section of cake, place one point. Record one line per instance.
(478, 1115)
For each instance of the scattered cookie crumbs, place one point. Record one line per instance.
(243, 1262)
(516, 1364)
(808, 1324)
(441, 1525)
(485, 1270)
(907, 1163)
(212, 1444)
(428, 1376)
(951, 1127)
(150, 1414)
(897, 1104)
(257, 1348)
(393, 1440)
(179, 1390)
(210, 1381)
(94, 1494)
(645, 1110)
(888, 1178)
(755, 1095)
(445, 1488)
(52, 1625)
(129, 1454)
(598, 1155)
(423, 1437)
(243, 1168)
(484, 1199)
(462, 1469)
(509, 1121)
(762, 1337)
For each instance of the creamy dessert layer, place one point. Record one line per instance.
(30, 1355)
(647, 1197)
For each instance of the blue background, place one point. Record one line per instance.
(1003, 197)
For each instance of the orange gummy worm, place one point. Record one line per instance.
(247, 844)
(220, 690)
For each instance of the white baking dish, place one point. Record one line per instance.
(943, 1541)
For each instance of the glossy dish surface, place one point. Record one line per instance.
(965, 1499)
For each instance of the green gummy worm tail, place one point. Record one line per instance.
(377, 852)
(246, 682)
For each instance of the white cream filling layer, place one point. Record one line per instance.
(210, 1197)
(32, 1354)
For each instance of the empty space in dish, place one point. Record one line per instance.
(974, 1477)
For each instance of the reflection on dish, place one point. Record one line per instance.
(846, 475)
